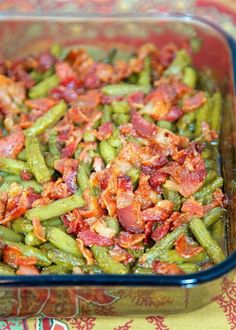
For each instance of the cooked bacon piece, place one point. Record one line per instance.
(86, 252)
(64, 71)
(136, 100)
(39, 230)
(14, 257)
(165, 268)
(184, 249)
(161, 231)
(119, 254)
(193, 207)
(194, 102)
(74, 222)
(209, 134)
(131, 241)
(105, 131)
(157, 180)
(26, 176)
(218, 200)
(56, 190)
(93, 208)
(11, 94)
(129, 218)
(188, 177)
(70, 148)
(169, 142)
(108, 201)
(42, 104)
(90, 238)
(68, 167)
(160, 212)
(11, 145)
(174, 114)
(45, 61)
(77, 116)
(127, 208)
(27, 270)
(142, 127)
(17, 204)
(101, 228)
(98, 164)
(144, 194)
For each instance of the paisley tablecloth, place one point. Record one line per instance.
(221, 313)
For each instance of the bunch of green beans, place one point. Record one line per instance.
(46, 153)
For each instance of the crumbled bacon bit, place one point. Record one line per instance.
(165, 268)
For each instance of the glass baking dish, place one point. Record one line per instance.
(82, 295)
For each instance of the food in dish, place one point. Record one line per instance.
(110, 166)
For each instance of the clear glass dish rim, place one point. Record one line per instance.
(186, 281)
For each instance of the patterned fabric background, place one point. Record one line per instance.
(221, 313)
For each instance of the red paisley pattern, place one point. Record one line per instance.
(126, 326)
(158, 321)
(227, 302)
(83, 323)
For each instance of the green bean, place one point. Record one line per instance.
(56, 50)
(30, 251)
(163, 245)
(55, 269)
(66, 260)
(142, 270)
(92, 269)
(43, 87)
(123, 89)
(185, 120)
(165, 124)
(36, 160)
(135, 253)
(182, 60)
(48, 119)
(63, 241)
(216, 112)
(10, 235)
(110, 56)
(106, 113)
(120, 107)
(205, 239)
(22, 155)
(89, 136)
(120, 119)
(52, 144)
(113, 223)
(83, 176)
(106, 262)
(56, 208)
(207, 153)
(134, 173)
(173, 196)
(13, 166)
(25, 184)
(6, 270)
(172, 256)
(214, 215)
(190, 77)
(22, 225)
(149, 119)
(144, 78)
(5, 187)
(107, 152)
(217, 231)
(211, 175)
(210, 164)
(53, 222)
(189, 268)
(32, 240)
(209, 189)
(202, 114)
